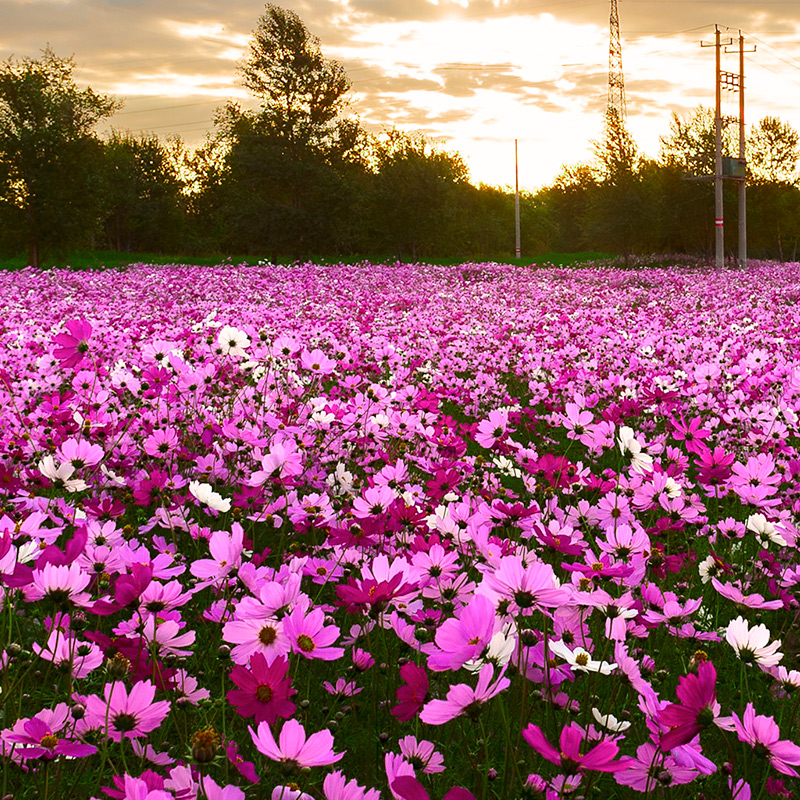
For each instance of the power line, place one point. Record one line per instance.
(168, 108)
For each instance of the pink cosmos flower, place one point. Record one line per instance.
(568, 757)
(463, 699)
(692, 433)
(463, 637)
(36, 737)
(317, 362)
(162, 442)
(256, 635)
(756, 481)
(714, 467)
(698, 695)
(80, 453)
(166, 636)
(421, 754)
(60, 583)
(529, 588)
(370, 595)
(309, 636)
(283, 457)
(67, 653)
(293, 749)
(376, 501)
(755, 600)
(337, 787)
(72, 345)
(652, 769)
(490, 430)
(122, 715)
(226, 555)
(342, 688)
(762, 734)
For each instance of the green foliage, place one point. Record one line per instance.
(773, 149)
(415, 195)
(143, 194)
(50, 178)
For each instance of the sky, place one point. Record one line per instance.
(471, 75)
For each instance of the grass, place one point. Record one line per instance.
(111, 259)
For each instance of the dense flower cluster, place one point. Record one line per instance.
(399, 531)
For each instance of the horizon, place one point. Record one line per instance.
(463, 74)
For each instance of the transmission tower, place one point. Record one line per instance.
(616, 80)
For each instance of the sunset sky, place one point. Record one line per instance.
(471, 75)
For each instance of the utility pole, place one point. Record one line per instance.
(719, 214)
(718, 210)
(516, 198)
(742, 182)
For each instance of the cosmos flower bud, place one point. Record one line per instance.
(204, 745)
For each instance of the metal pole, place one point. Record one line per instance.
(742, 182)
(719, 220)
(516, 198)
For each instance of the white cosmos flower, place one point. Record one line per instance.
(208, 497)
(580, 660)
(232, 341)
(764, 530)
(640, 462)
(61, 474)
(501, 647)
(752, 644)
(610, 722)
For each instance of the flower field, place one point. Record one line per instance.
(400, 531)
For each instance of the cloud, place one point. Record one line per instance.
(477, 73)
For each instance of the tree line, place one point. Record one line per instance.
(297, 178)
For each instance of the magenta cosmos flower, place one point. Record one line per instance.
(72, 345)
(410, 696)
(762, 734)
(37, 737)
(264, 689)
(599, 758)
(698, 695)
(408, 788)
(120, 714)
(293, 749)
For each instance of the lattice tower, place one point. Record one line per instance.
(616, 80)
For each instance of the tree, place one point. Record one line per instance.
(50, 159)
(415, 196)
(291, 168)
(143, 194)
(617, 208)
(690, 144)
(773, 149)
(302, 92)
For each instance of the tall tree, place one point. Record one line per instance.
(292, 164)
(302, 93)
(50, 158)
